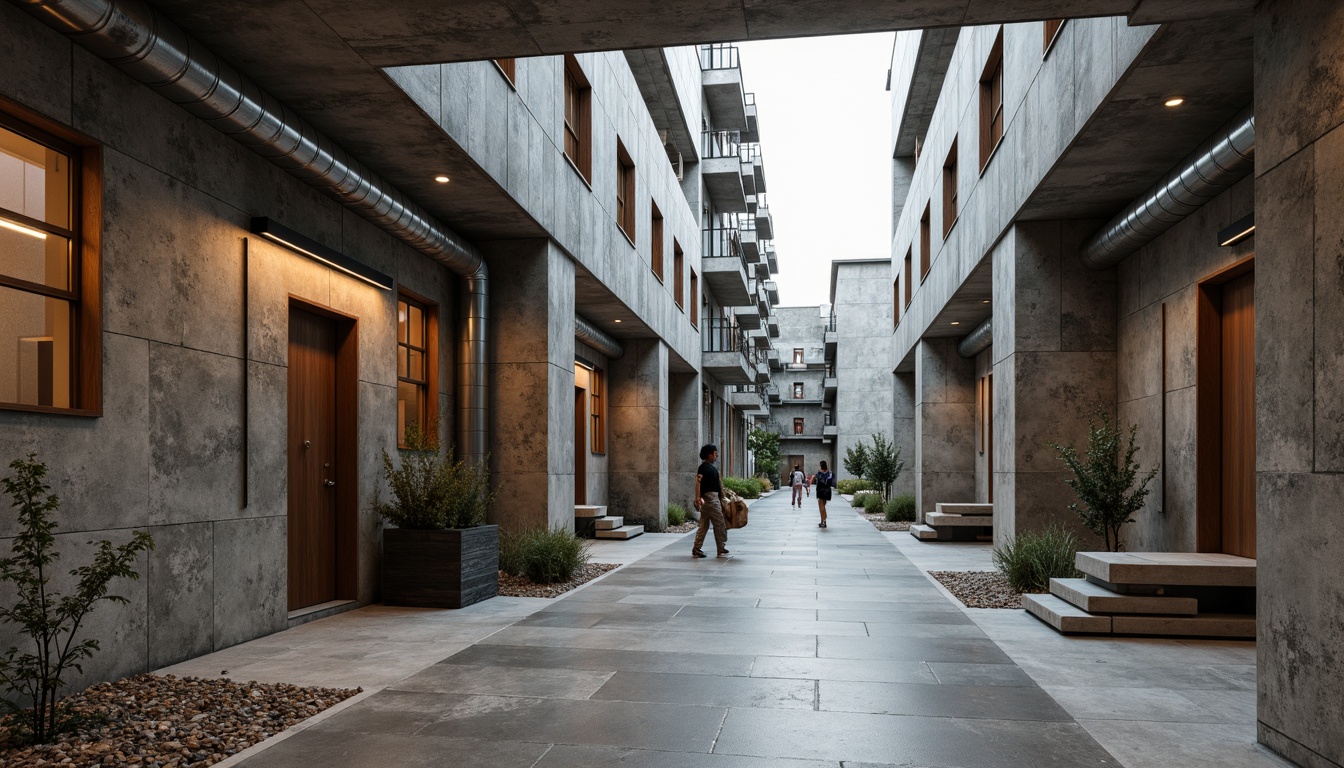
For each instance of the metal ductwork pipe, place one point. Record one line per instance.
(1221, 161)
(978, 340)
(595, 337)
(142, 43)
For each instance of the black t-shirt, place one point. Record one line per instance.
(709, 479)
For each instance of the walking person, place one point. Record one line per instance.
(807, 485)
(707, 502)
(825, 481)
(796, 480)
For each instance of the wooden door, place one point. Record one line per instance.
(580, 445)
(1238, 416)
(989, 436)
(312, 459)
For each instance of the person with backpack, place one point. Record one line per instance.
(796, 480)
(825, 481)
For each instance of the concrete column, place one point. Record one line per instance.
(1054, 367)
(532, 385)
(683, 436)
(637, 445)
(903, 430)
(1299, 331)
(944, 425)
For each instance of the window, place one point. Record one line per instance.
(925, 245)
(798, 390)
(578, 119)
(656, 233)
(625, 191)
(508, 68)
(896, 302)
(597, 395)
(991, 102)
(798, 426)
(908, 274)
(417, 366)
(51, 335)
(950, 190)
(797, 355)
(1052, 27)
(679, 267)
(695, 299)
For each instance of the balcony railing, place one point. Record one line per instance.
(749, 99)
(721, 144)
(724, 244)
(719, 56)
(723, 336)
(750, 152)
(830, 322)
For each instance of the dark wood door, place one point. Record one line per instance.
(1238, 416)
(580, 445)
(312, 459)
(989, 436)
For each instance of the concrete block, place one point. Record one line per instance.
(1094, 598)
(1237, 626)
(1065, 618)
(252, 560)
(1198, 569)
(179, 582)
(965, 509)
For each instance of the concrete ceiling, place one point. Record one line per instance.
(934, 56)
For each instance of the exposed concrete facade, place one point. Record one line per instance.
(803, 416)
(862, 308)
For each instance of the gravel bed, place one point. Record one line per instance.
(979, 589)
(879, 521)
(521, 586)
(172, 722)
(685, 527)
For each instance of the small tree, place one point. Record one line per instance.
(856, 460)
(1108, 485)
(765, 447)
(884, 464)
(430, 490)
(49, 619)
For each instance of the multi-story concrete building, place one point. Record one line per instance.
(806, 387)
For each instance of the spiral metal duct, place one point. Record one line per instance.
(1221, 161)
(978, 340)
(142, 43)
(595, 337)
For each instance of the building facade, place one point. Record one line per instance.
(804, 413)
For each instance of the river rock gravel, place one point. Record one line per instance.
(521, 586)
(979, 589)
(171, 722)
(879, 521)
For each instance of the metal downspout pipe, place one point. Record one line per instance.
(1221, 161)
(595, 337)
(142, 43)
(978, 340)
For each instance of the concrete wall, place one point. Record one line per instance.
(862, 302)
(944, 461)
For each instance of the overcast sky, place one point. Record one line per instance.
(825, 123)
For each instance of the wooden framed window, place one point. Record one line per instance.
(1052, 27)
(925, 245)
(798, 390)
(909, 274)
(50, 313)
(950, 189)
(798, 426)
(695, 299)
(597, 407)
(578, 119)
(991, 102)
(625, 192)
(679, 268)
(417, 366)
(896, 302)
(508, 68)
(797, 355)
(656, 242)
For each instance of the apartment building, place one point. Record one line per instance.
(802, 410)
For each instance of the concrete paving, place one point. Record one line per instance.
(807, 647)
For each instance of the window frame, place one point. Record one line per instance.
(656, 237)
(625, 192)
(430, 394)
(508, 67)
(86, 224)
(579, 126)
(799, 425)
(909, 275)
(597, 411)
(679, 266)
(799, 391)
(925, 243)
(798, 356)
(992, 118)
(695, 299)
(1050, 33)
(950, 203)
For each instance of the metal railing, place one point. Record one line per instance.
(750, 152)
(830, 323)
(719, 56)
(721, 243)
(746, 222)
(721, 335)
(749, 99)
(721, 144)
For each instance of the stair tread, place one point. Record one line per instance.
(589, 510)
(940, 519)
(1094, 598)
(624, 532)
(965, 509)
(1236, 625)
(609, 522)
(923, 532)
(1199, 569)
(1065, 617)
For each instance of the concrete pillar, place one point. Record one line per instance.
(944, 425)
(1299, 331)
(637, 445)
(1054, 367)
(683, 436)
(532, 385)
(903, 430)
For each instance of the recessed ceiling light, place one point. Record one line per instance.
(441, 179)
(617, 320)
(1174, 101)
(986, 301)
(956, 322)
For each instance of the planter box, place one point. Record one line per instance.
(440, 569)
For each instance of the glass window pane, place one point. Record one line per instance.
(401, 322)
(416, 322)
(410, 407)
(35, 342)
(401, 362)
(35, 256)
(34, 180)
(415, 367)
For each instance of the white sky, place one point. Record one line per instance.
(825, 124)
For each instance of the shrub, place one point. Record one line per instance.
(431, 491)
(544, 556)
(900, 508)
(853, 485)
(765, 484)
(676, 514)
(50, 619)
(872, 502)
(884, 464)
(1105, 479)
(1033, 558)
(860, 497)
(745, 487)
(765, 447)
(856, 459)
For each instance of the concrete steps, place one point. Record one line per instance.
(1152, 593)
(593, 521)
(956, 522)
(965, 509)
(923, 533)
(624, 532)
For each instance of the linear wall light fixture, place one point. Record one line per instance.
(278, 233)
(1242, 229)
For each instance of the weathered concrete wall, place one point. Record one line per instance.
(1299, 193)
(862, 303)
(944, 425)
(638, 446)
(683, 436)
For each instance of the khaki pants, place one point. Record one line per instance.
(712, 512)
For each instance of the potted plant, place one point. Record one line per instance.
(440, 554)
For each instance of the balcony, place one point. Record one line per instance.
(759, 337)
(772, 391)
(747, 317)
(752, 170)
(721, 168)
(750, 245)
(751, 132)
(724, 353)
(829, 385)
(722, 77)
(772, 325)
(765, 226)
(745, 397)
(772, 291)
(831, 337)
(772, 356)
(769, 249)
(725, 267)
(762, 301)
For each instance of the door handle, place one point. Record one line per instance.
(328, 483)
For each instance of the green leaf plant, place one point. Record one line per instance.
(1107, 479)
(49, 619)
